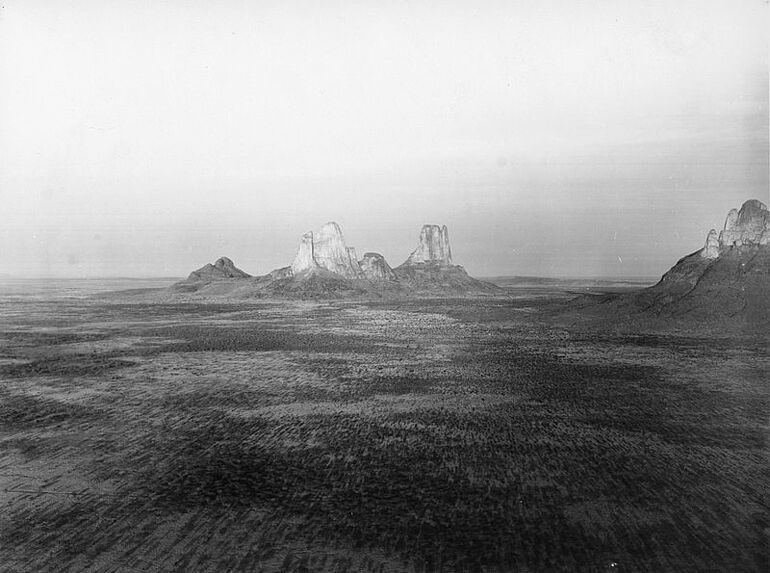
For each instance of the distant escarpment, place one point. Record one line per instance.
(725, 285)
(325, 266)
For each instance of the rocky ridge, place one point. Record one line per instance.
(725, 284)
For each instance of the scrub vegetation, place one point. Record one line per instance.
(421, 435)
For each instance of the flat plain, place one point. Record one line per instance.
(468, 434)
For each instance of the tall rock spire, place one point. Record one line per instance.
(304, 259)
(433, 247)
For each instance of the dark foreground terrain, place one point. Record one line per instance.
(454, 435)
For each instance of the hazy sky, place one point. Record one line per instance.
(552, 138)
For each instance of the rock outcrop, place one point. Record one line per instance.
(749, 226)
(376, 268)
(429, 268)
(326, 267)
(219, 275)
(327, 250)
(305, 258)
(724, 286)
(711, 248)
(280, 274)
(433, 247)
(223, 268)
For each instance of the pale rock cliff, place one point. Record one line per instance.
(749, 226)
(327, 250)
(429, 269)
(353, 258)
(433, 247)
(711, 248)
(305, 258)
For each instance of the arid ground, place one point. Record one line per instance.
(419, 435)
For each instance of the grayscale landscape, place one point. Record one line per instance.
(382, 432)
(453, 434)
(384, 287)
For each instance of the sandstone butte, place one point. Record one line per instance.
(327, 250)
(324, 264)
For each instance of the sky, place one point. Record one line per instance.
(553, 138)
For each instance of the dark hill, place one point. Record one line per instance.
(723, 287)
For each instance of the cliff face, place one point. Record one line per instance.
(305, 258)
(327, 250)
(749, 226)
(433, 247)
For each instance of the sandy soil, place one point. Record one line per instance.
(432, 435)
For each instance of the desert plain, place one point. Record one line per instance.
(446, 434)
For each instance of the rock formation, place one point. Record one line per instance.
(325, 266)
(749, 226)
(353, 258)
(711, 248)
(305, 259)
(433, 247)
(327, 250)
(223, 268)
(376, 268)
(280, 274)
(429, 268)
(725, 285)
